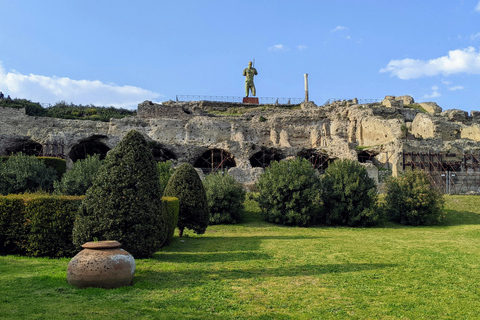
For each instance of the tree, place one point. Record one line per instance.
(165, 171)
(349, 195)
(124, 202)
(81, 177)
(225, 197)
(289, 193)
(185, 184)
(22, 173)
(412, 200)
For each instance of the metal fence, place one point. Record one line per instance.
(451, 182)
(261, 100)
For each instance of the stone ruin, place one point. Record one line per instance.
(244, 139)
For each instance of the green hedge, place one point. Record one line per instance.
(171, 207)
(12, 225)
(60, 165)
(38, 225)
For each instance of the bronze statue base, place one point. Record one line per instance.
(250, 100)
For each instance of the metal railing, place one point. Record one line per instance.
(261, 100)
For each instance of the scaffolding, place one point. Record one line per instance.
(215, 160)
(55, 149)
(450, 173)
(263, 158)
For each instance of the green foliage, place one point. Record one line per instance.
(225, 197)
(349, 195)
(171, 208)
(165, 172)
(37, 225)
(21, 173)
(185, 184)
(416, 106)
(12, 224)
(90, 112)
(124, 202)
(289, 193)
(81, 177)
(60, 165)
(31, 108)
(262, 119)
(412, 200)
(49, 227)
(64, 110)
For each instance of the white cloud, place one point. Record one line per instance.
(278, 47)
(474, 36)
(339, 28)
(302, 47)
(53, 89)
(434, 94)
(477, 8)
(455, 88)
(457, 61)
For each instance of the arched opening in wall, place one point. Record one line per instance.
(365, 156)
(29, 148)
(161, 153)
(90, 147)
(263, 158)
(319, 161)
(215, 159)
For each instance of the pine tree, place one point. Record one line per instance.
(185, 184)
(124, 202)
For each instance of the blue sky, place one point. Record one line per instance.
(121, 53)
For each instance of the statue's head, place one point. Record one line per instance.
(250, 64)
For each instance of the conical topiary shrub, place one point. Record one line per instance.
(124, 201)
(185, 184)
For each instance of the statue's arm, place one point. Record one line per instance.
(244, 72)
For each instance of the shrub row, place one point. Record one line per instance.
(41, 225)
(37, 225)
(293, 193)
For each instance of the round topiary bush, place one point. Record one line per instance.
(225, 197)
(21, 173)
(349, 195)
(411, 200)
(124, 203)
(289, 193)
(185, 184)
(76, 181)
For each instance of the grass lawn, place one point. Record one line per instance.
(257, 270)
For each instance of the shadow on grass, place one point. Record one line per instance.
(227, 244)
(457, 218)
(150, 279)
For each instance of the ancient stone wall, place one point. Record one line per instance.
(254, 135)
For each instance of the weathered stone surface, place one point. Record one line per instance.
(397, 102)
(431, 107)
(189, 129)
(455, 115)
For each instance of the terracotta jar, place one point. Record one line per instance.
(101, 264)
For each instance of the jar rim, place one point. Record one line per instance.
(106, 244)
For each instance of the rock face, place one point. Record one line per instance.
(431, 107)
(245, 138)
